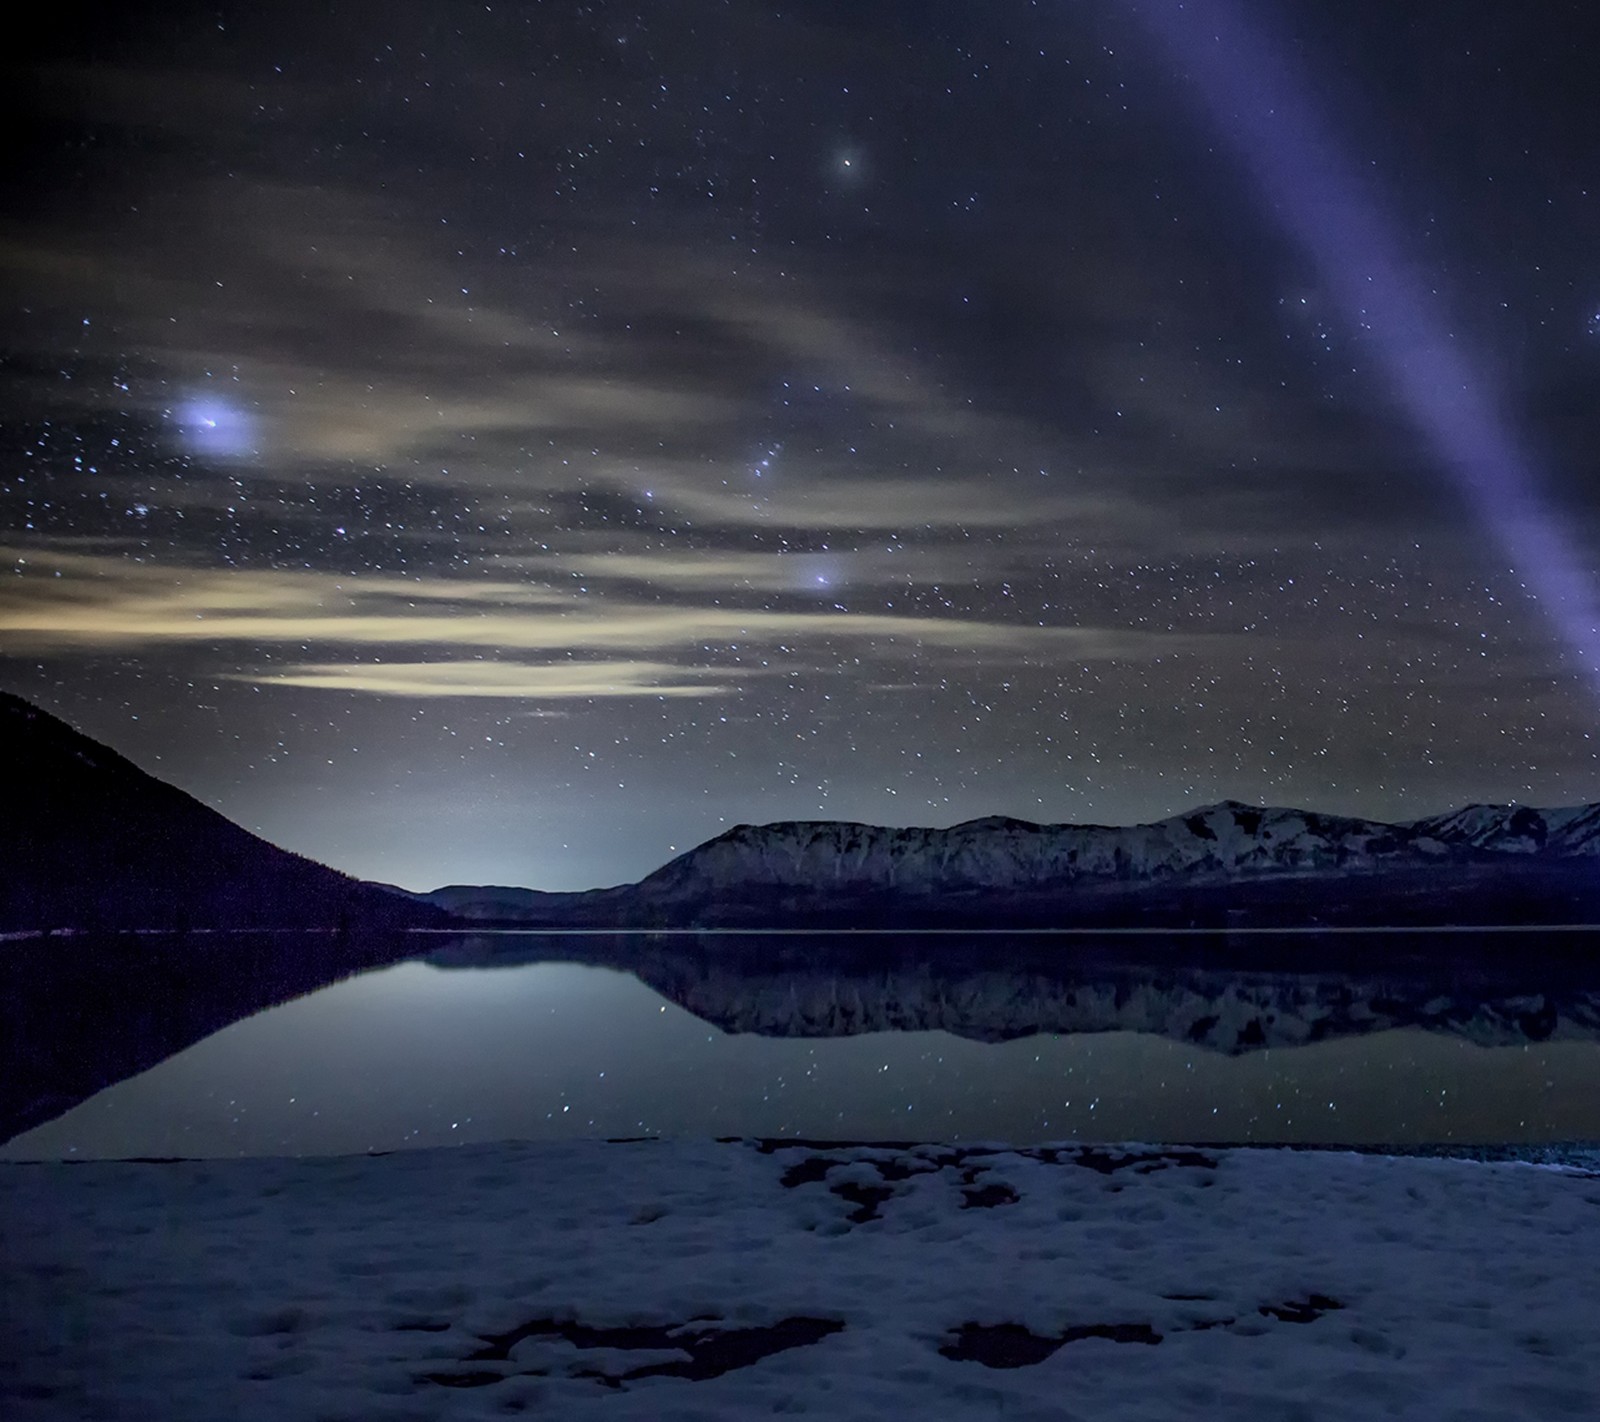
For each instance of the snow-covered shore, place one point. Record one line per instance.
(700, 1280)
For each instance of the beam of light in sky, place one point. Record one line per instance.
(1261, 104)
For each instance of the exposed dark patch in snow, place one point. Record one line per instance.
(1307, 1310)
(987, 1197)
(853, 1173)
(1010, 1345)
(708, 1351)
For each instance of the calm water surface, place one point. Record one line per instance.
(431, 1053)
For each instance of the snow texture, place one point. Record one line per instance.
(678, 1280)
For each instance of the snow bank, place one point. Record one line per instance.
(662, 1280)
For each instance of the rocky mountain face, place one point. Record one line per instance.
(89, 841)
(1517, 829)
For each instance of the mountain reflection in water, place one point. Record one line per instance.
(1411, 1038)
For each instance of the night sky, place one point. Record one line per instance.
(512, 443)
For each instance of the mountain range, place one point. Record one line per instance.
(92, 841)
(1227, 865)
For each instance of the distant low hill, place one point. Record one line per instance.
(1227, 865)
(89, 841)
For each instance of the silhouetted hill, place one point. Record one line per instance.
(90, 841)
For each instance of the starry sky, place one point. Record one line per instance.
(515, 442)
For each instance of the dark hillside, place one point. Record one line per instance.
(88, 840)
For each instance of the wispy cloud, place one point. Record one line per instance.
(541, 640)
(492, 679)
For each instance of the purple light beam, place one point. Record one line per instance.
(1259, 102)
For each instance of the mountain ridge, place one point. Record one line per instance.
(1282, 866)
(1227, 838)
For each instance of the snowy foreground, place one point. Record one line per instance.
(697, 1280)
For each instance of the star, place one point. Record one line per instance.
(215, 427)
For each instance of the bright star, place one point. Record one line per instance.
(213, 427)
(850, 164)
(818, 572)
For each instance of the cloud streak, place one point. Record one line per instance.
(86, 603)
(491, 679)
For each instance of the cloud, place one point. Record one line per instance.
(346, 340)
(494, 679)
(354, 333)
(597, 642)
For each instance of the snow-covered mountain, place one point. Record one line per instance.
(1518, 829)
(1226, 865)
(1227, 841)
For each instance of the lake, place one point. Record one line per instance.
(288, 1045)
